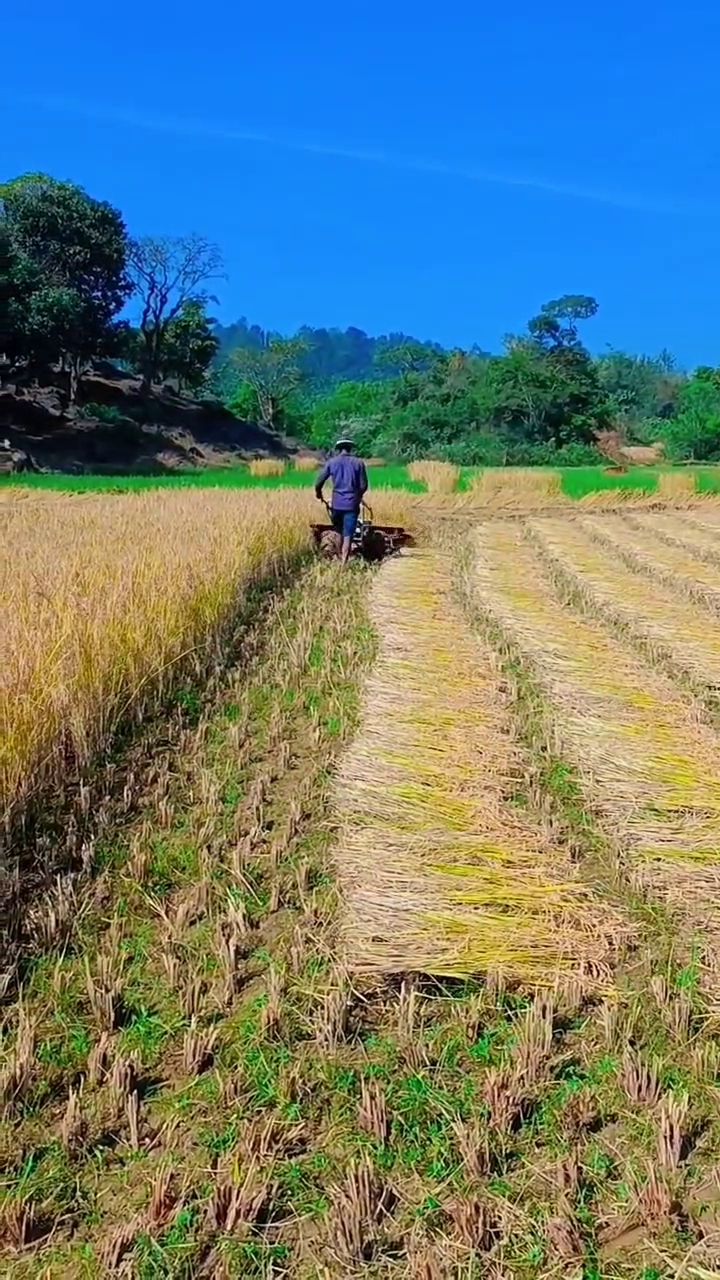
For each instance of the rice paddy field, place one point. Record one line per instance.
(468, 484)
(364, 922)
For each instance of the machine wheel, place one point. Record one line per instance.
(374, 546)
(330, 544)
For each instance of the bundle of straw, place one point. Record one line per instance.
(267, 467)
(517, 489)
(438, 477)
(441, 873)
(305, 462)
(674, 487)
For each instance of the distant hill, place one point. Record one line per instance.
(334, 355)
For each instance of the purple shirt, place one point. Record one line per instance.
(349, 481)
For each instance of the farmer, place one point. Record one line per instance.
(349, 486)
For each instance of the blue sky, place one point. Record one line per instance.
(438, 169)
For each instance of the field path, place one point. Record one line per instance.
(441, 871)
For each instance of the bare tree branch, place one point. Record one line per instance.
(168, 272)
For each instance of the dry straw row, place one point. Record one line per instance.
(677, 564)
(650, 610)
(440, 872)
(690, 532)
(648, 765)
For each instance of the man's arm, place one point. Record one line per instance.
(321, 480)
(363, 478)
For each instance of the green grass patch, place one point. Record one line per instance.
(576, 482)
(390, 477)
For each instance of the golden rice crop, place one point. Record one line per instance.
(517, 488)
(438, 477)
(440, 872)
(647, 763)
(267, 467)
(102, 601)
(647, 608)
(304, 462)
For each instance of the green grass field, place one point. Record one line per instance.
(576, 481)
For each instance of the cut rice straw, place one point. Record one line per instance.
(639, 547)
(438, 477)
(649, 610)
(646, 762)
(683, 531)
(440, 873)
(518, 488)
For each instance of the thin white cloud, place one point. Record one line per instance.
(185, 128)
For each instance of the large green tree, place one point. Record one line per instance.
(63, 256)
(357, 408)
(693, 433)
(190, 346)
(640, 388)
(272, 372)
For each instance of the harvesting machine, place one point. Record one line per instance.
(372, 542)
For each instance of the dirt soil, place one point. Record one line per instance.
(134, 431)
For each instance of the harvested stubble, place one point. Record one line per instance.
(103, 601)
(438, 477)
(676, 564)
(647, 764)
(440, 872)
(648, 609)
(267, 467)
(517, 489)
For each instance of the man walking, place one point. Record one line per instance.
(349, 486)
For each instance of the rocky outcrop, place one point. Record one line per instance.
(116, 427)
(15, 461)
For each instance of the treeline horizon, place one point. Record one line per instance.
(77, 287)
(542, 398)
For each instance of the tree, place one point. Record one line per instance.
(555, 326)
(639, 389)
(274, 374)
(693, 434)
(355, 407)
(405, 357)
(190, 346)
(168, 273)
(551, 378)
(65, 260)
